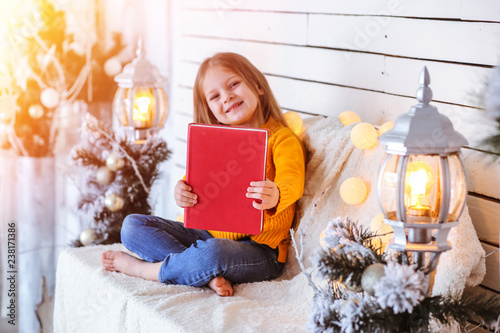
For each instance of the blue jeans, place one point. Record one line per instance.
(194, 257)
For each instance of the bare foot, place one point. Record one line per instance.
(221, 286)
(119, 261)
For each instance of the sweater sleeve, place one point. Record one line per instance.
(289, 161)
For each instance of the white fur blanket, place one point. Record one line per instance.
(91, 299)
(332, 158)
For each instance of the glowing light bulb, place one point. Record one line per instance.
(143, 109)
(418, 185)
(419, 182)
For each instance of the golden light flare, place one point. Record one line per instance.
(20, 20)
(294, 121)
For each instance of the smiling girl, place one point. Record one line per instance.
(228, 90)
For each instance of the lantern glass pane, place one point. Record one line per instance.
(388, 186)
(422, 189)
(458, 188)
(120, 107)
(162, 106)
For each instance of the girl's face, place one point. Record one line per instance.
(230, 99)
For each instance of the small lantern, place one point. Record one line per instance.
(140, 103)
(421, 183)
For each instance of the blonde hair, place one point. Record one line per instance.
(241, 66)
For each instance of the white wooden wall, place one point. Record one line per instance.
(325, 57)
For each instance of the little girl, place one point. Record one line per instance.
(228, 90)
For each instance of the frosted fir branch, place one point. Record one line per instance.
(341, 266)
(347, 237)
(127, 156)
(299, 253)
(492, 252)
(83, 157)
(401, 288)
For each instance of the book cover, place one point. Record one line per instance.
(221, 163)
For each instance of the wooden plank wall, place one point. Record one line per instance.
(325, 57)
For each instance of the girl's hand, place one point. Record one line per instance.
(265, 191)
(183, 195)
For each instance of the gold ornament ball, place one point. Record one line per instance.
(88, 236)
(364, 135)
(385, 127)
(113, 202)
(353, 191)
(104, 176)
(294, 121)
(371, 276)
(36, 111)
(114, 162)
(50, 98)
(349, 117)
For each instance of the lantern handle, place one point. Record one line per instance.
(424, 93)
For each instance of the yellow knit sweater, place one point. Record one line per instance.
(286, 168)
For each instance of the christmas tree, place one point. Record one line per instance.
(362, 288)
(45, 68)
(492, 105)
(117, 177)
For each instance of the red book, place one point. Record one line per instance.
(221, 163)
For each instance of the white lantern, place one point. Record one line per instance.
(421, 183)
(140, 103)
